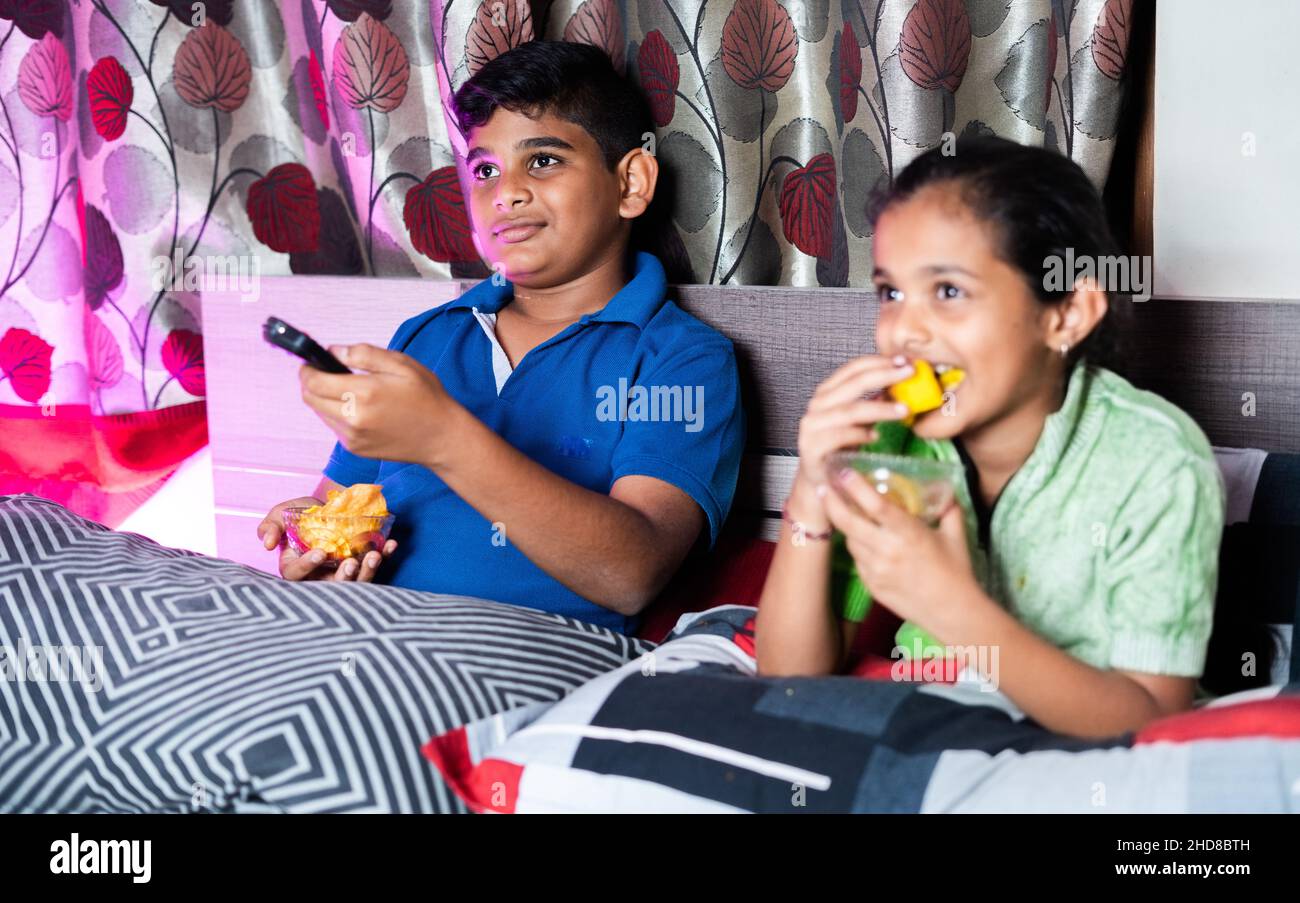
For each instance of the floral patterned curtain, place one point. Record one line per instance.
(142, 141)
(775, 119)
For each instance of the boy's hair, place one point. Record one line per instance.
(575, 82)
(1040, 203)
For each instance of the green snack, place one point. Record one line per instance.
(892, 438)
(910, 637)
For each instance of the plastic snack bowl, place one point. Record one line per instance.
(340, 536)
(921, 487)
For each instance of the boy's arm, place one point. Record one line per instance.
(325, 487)
(617, 550)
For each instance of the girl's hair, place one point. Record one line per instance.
(1041, 204)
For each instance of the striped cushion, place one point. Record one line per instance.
(209, 686)
(690, 728)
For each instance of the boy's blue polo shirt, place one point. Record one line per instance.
(572, 406)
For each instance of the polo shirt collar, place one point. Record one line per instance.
(639, 300)
(1074, 420)
(636, 303)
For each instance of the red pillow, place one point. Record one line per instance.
(731, 574)
(1278, 716)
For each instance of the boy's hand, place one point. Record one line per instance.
(308, 567)
(395, 411)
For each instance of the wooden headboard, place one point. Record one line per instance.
(1212, 358)
(267, 446)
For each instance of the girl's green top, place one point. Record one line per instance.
(1105, 542)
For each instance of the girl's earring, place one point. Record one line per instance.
(1065, 349)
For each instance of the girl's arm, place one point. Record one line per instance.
(796, 632)
(1053, 687)
(924, 575)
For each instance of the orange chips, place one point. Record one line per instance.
(342, 525)
(365, 499)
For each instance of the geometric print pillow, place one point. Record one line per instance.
(137, 678)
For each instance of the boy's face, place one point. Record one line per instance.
(545, 208)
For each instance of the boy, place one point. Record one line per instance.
(504, 426)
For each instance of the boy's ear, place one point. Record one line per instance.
(1070, 322)
(638, 172)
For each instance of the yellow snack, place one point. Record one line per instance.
(901, 491)
(923, 391)
(341, 526)
(364, 499)
(951, 377)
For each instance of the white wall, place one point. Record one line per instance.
(180, 514)
(1226, 223)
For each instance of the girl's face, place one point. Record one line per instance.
(945, 296)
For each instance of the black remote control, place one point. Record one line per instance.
(282, 335)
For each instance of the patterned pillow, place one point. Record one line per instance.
(689, 728)
(138, 678)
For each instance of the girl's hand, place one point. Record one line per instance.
(840, 415)
(914, 571)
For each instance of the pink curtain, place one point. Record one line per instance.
(144, 141)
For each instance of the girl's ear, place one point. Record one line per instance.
(638, 173)
(1074, 318)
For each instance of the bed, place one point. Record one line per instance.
(226, 689)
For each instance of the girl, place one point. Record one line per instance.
(1084, 543)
